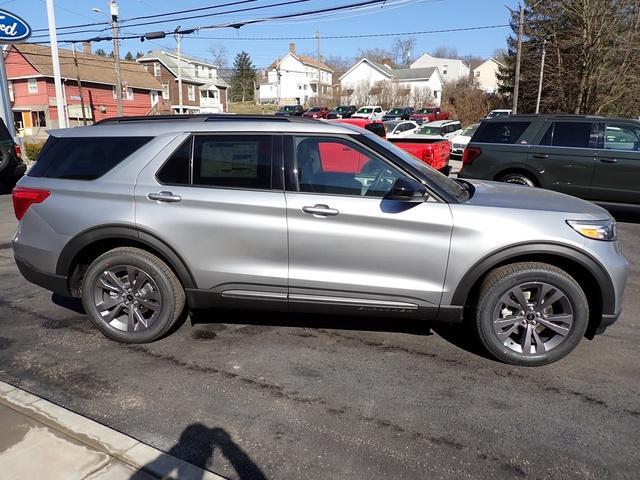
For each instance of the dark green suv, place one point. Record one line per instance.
(12, 167)
(595, 158)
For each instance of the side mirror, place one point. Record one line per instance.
(407, 190)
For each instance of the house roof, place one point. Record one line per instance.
(311, 62)
(406, 74)
(91, 68)
(489, 60)
(427, 56)
(170, 61)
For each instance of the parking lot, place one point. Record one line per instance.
(251, 395)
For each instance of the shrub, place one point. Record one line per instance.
(32, 150)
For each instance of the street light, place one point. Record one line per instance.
(116, 49)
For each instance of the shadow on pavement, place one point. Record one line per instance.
(198, 445)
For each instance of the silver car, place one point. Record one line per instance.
(144, 218)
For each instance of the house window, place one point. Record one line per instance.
(154, 98)
(191, 92)
(211, 73)
(129, 95)
(435, 94)
(156, 69)
(444, 69)
(33, 85)
(197, 70)
(477, 73)
(38, 118)
(165, 91)
(10, 86)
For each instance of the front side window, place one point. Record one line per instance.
(32, 85)
(339, 167)
(571, 134)
(232, 161)
(500, 132)
(621, 136)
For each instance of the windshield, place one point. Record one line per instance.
(395, 111)
(429, 130)
(425, 110)
(316, 109)
(365, 110)
(390, 125)
(497, 113)
(447, 184)
(342, 109)
(470, 130)
(289, 108)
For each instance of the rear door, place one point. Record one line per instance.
(617, 166)
(563, 156)
(349, 248)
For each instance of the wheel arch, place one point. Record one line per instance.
(586, 270)
(89, 244)
(518, 169)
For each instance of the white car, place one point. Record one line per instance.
(460, 142)
(400, 128)
(500, 112)
(370, 112)
(438, 130)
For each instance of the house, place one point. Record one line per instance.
(32, 91)
(203, 91)
(294, 79)
(485, 75)
(368, 81)
(451, 69)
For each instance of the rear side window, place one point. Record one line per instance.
(84, 158)
(571, 134)
(500, 132)
(175, 171)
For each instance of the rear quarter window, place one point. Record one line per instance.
(500, 132)
(84, 158)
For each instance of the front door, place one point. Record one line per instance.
(216, 202)
(617, 175)
(349, 247)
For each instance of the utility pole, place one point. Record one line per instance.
(516, 86)
(544, 53)
(62, 119)
(75, 62)
(278, 79)
(318, 53)
(116, 54)
(178, 37)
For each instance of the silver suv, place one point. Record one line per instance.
(145, 217)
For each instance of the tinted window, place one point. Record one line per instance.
(377, 128)
(232, 161)
(84, 158)
(621, 136)
(571, 134)
(500, 132)
(336, 166)
(175, 171)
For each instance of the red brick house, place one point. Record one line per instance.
(32, 92)
(203, 91)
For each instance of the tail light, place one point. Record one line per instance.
(427, 157)
(24, 197)
(18, 150)
(470, 154)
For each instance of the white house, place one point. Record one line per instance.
(485, 75)
(294, 79)
(367, 80)
(451, 69)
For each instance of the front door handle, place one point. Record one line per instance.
(540, 155)
(321, 209)
(609, 160)
(164, 196)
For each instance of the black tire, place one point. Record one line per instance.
(162, 284)
(499, 284)
(518, 179)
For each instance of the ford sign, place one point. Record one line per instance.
(13, 28)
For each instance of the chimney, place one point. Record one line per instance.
(386, 62)
(86, 48)
(292, 48)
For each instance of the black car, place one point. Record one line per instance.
(595, 158)
(343, 111)
(12, 167)
(290, 111)
(398, 113)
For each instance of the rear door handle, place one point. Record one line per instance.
(540, 155)
(164, 196)
(609, 160)
(321, 209)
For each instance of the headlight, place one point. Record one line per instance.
(595, 229)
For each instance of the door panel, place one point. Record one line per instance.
(225, 235)
(617, 171)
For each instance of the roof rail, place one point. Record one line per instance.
(201, 117)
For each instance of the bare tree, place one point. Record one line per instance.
(338, 64)
(219, 55)
(376, 54)
(402, 49)
(445, 51)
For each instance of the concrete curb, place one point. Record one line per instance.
(116, 445)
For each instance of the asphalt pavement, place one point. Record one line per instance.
(251, 395)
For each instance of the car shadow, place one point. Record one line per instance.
(199, 445)
(624, 213)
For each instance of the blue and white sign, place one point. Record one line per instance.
(13, 28)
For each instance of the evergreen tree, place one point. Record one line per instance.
(101, 52)
(243, 78)
(129, 57)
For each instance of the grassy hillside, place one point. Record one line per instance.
(251, 108)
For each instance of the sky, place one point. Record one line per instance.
(393, 16)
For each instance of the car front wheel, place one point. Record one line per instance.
(530, 313)
(131, 295)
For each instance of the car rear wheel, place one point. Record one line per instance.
(530, 313)
(131, 295)
(518, 179)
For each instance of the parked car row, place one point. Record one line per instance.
(370, 112)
